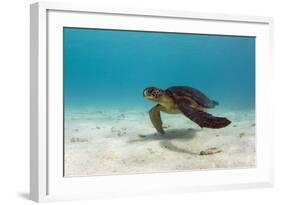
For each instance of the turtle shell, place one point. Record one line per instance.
(185, 93)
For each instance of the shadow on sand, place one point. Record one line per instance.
(165, 140)
(170, 146)
(182, 134)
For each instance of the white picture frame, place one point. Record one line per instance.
(46, 179)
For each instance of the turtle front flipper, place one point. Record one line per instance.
(155, 118)
(202, 118)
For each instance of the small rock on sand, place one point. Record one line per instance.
(209, 151)
(120, 131)
(77, 139)
(242, 134)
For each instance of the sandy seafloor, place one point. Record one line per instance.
(105, 142)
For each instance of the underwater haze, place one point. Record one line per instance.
(107, 126)
(112, 67)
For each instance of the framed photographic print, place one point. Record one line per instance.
(129, 101)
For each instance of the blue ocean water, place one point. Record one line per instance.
(110, 68)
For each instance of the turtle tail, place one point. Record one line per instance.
(215, 103)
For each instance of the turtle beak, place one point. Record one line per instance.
(145, 93)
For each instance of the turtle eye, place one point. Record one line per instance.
(156, 93)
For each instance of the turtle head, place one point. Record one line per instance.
(153, 93)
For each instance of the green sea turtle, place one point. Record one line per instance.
(186, 100)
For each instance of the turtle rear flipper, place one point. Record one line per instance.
(202, 118)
